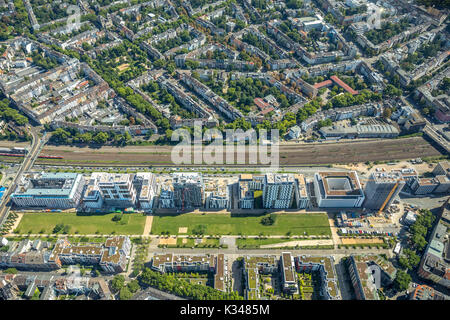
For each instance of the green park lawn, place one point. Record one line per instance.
(225, 224)
(44, 222)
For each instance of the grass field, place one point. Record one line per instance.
(44, 222)
(256, 243)
(223, 224)
(189, 243)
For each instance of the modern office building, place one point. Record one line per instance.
(444, 184)
(188, 189)
(49, 190)
(382, 188)
(408, 174)
(338, 190)
(442, 168)
(424, 185)
(279, 191)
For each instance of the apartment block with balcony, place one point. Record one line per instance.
(279, 191)
(117, 190)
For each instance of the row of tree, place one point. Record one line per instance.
(410, 258)
(72, 135)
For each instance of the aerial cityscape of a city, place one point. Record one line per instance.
(250, 151)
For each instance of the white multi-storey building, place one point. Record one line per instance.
(166, 197)
(49, 190)
(92, 197)
(279, 191)
(338, 190)
(117, 189)
(301, 193)
(146, 187)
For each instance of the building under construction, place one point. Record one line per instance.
(382, 188)
(188, 189)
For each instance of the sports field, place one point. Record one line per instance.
(44, 222)
(225, 224)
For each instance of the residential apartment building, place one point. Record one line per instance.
(216, 265)
(117, 189)
(362, 269)
(325, 272)
(435, 263)
(29, 261)
(112, 256)
(248, 184)
(217, 194)
(288, 273)
(301, 196)
(115, 255)
(92, 197)
(146, 189)
(279, 191)
(253, 266)
(424, 292)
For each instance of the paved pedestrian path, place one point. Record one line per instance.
(300, 243)
(148, 225)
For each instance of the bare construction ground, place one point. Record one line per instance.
(299, 154)
(361, 241)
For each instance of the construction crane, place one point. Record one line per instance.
(387, 198)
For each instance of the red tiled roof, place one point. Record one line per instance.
(325, 83)
(261, 103)
(343, 85)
